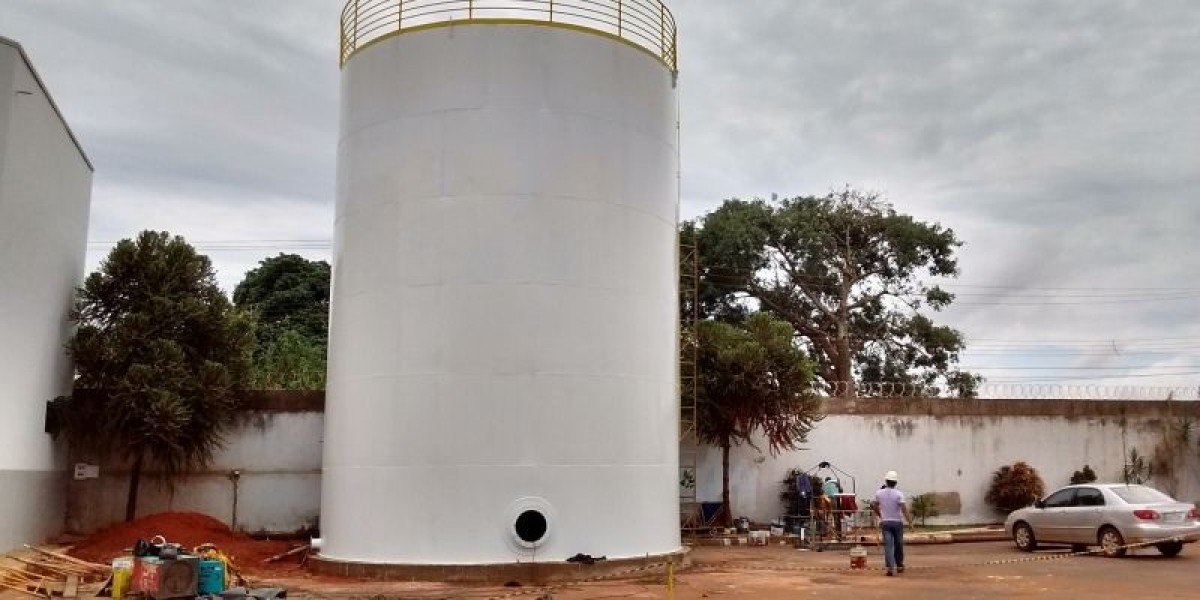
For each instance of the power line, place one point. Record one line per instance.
(1096, 340)
(1089, 378)
(1087, 368)
(993, 347)
(1038, 299)
(243, 245)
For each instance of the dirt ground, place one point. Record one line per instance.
(934, 571)
(983, 570)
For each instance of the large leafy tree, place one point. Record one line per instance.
(289, 361)
(753, 380)
(160, 359)
(848, 272)
(289, 295)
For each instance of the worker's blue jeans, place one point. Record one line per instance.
(893, 543)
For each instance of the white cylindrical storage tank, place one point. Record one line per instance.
(503, 345)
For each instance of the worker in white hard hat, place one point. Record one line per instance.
(892, 511)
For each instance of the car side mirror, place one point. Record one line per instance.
(1040, 504)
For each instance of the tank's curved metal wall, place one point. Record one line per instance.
(503, 336)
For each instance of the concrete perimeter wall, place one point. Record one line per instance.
(276, 449)
(954, 446)
(945, 446)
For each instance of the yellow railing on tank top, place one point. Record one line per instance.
(643, 24)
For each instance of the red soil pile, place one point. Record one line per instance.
(190, 530)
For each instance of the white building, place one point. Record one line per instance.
(45, 188)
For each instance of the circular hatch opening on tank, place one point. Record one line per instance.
(530, 526)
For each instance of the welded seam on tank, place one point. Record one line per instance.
(450, 113)
(666, 221)
(639, 466)
(670, 65)
(523, 284)
(560, 374)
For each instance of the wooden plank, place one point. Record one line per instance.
(15, 576)
(71, 587)
(54, 568)
(70, 559)
(292, 552)
(23, 590)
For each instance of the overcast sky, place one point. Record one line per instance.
(1060, 140)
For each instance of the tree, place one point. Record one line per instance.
(1014, 486)
(752, 379)
(164, 354)
(845, 270)
(925, 506)
(289, 295)
(290, 361)
(1086, 475)
(1137, 469)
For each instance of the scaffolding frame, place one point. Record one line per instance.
(840, 519)
(691, 515)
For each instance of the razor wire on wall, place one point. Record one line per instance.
(1016, 391)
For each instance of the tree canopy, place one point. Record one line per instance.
(289, 296)
(752, 379)
(846, 270)
(166, 352)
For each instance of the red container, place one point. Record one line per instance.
(858, 557)
(160, 579)
(146, 575)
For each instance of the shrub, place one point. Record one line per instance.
(1015, 486)
(1086, 475)
(925, 506)
(1137, 469)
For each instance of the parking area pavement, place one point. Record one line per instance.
(983, 570)
(975, 570)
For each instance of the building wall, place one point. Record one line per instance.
(276, 450)
(45, 188)
(948, 446)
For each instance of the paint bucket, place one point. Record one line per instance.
(858, 557)
(212, 577)
(122, 575)
(743, 525)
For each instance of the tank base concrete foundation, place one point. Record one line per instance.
(539, 573)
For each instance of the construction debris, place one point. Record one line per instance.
(292, 552)
(44, 573)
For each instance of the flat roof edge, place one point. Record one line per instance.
(46, 92)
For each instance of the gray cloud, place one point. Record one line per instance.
(1059, 139)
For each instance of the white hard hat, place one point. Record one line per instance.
(891, 476)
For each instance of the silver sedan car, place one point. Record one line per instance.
(1110, 515)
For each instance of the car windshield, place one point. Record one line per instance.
(1140, 494)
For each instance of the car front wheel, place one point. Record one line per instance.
(1023, 537)
(1169, 548)
(1112, 543)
